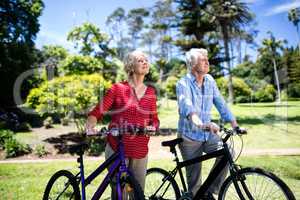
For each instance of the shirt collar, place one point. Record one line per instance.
(193, 78)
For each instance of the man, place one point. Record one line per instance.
(196, 93)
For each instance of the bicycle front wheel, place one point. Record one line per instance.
(62, 185)
(160, 185)
(255, 183)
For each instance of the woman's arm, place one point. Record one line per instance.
(100, 109)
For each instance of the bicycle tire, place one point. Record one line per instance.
(251, 177)
(132, 188)
(154, 190)
(64, 192)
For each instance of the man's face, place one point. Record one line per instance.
(202, 65)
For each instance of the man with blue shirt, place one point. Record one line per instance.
(196, 93)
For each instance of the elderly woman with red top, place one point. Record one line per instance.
(130, 103)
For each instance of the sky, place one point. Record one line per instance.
(59, 17)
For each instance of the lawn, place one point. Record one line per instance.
(269, 125)
(27, 181)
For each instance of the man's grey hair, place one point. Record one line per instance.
(129, 61)
(192, 55)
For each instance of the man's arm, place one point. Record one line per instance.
(184, 99)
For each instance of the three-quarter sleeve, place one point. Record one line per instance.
(104, 105)
(221, 105)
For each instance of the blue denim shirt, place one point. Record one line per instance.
(194, 99)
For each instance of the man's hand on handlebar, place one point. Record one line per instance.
(211, 127)
(240, 130)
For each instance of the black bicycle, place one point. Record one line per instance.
(242, 183)
(64, 185)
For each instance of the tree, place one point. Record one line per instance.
(162, 20)
(270, 51)
(90, 40)
(18, 28)
(197, 30)
(294, 17)
(135, 24)
(229, 15)
(115, 22)
(52, 55)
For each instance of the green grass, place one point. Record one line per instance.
(269, 125)
(28, 181)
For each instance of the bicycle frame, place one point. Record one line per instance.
(117, 164)
(226, 158)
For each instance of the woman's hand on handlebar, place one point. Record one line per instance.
(90, 130)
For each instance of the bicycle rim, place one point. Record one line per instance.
(158, 186)
(62, 186)
(256, 184)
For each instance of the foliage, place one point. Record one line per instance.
(294, 17)
(115, 23)
(153, 75)
(197, 28)
(48, 122)
(294, 90)
(241, 90)
(90, 40)
(96, 146)
(265, 94)
(24, 126)
(40, 150)
(170, 86)
(77, 64)
(135, 23)
(18, 28)
(14, 148)
(5, 135)
(68, 94)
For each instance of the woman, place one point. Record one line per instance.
(130, 103)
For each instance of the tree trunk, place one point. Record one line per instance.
(239, 48)
(230, 85)
(277, 80)
(298, 38)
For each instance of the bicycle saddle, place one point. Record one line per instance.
(78, 148)
(172, 143)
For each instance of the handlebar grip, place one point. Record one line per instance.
(240, 130)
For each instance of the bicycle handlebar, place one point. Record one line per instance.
(231, 132)
(123, 131)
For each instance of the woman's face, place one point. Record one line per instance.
(141, 65)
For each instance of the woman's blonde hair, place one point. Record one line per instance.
(129, 61)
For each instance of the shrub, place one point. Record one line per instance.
(48, 122)
(96, 146)
(40, 150)
(78, 64)
(5, 135)
(242, 92)
(14, 148)
(68, 94)
(265, 94)
(65, 121)
(24, 126)
(294, 90)
(170, 86)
